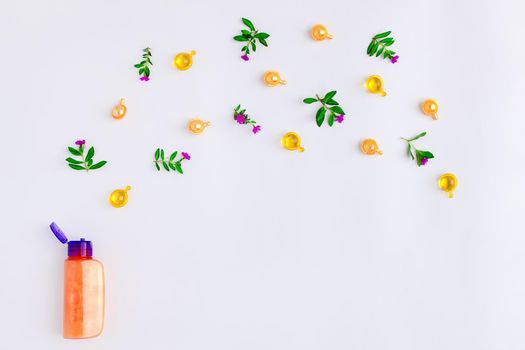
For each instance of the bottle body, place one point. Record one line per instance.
(83, 297)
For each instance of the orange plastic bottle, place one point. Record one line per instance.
(83, 289)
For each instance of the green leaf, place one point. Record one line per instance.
(426, 154)
(90, 154)
(337, 110)
(74, 151)
(309, 100)
(172, 166)
(76, 167)
(98, 165)
(179, 168)
(141, 70)
(329, 95)
(331, 119)
(418, 136)
(157, 154)
(240, 38)
(420, 155)
(369, 49)
(138, 65)
(382, 35)
(146, 71)
(73, 161)
(409, 150)
(246, 33)
(162, 154)
(374, 49)
(331, 102)
(262, 35)
(89, 163)
(173, 155)
(165, 165)
(254, 48)
(157, 166)
(262, 41)
(387, 41)
(248, 23)
(380, 51)
(319, 117)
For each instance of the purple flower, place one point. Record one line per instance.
(424, 161)
(80, 142)
(186, 156)
(144, 78)
(340, 118)
(256, 129)
(394, 59)
(245, 57)
(241, 118)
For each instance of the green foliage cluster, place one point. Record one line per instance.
(250, 37)
(169, 163)
(416, 154)
(328, 106)
(380, 45)
(86, 160)
(144, 65)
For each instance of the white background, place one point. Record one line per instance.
(256, 247)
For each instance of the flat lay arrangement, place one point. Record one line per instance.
(328, 112)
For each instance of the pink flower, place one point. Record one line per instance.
(80, 142)
(144, 78)
(256, 129)
(186, 156)
(241, 118)
(340, 118)
(245, 57)
(424, 161)
(394, 59)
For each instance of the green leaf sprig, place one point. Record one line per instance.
(250, 38)
(380, 45)
(144, 65)
(170, 163)
(86, 160)
(328, 105)
(421, 157)
(241, 117)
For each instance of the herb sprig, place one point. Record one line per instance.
(170, 163)
(241, 117)
(328, 105)
(250, 37)
(145, 64)
(421, 157)
(86, 160)
(380, 45)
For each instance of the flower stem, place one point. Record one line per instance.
(324, 104)
(385, 48)
(80, 148)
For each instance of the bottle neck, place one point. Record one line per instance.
(79, 258)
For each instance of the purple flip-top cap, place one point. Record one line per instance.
(59, 234)
(80, 248)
